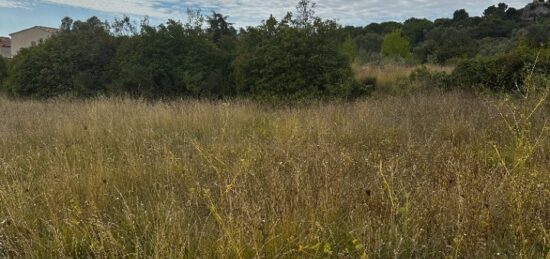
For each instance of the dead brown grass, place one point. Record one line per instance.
(388, 76)
(431, 175)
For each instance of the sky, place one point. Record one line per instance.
(16, 15)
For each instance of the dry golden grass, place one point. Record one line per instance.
(388, 76)
(431, 175)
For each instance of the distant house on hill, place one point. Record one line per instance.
(30, 37)
(5, 47)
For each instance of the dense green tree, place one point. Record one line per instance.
(505, 71)
(460, 15)
(494, 27)
(350, 50)
(170, 60)
(66, 24)
(294, 57)
(395, 45)
(513, 14)
(305, 14)
(416, 29)
(487, 47)
(223, 34)
(498, 11)
(72, 62)
(369, 43)
(350, 31)
(538, 34)
(219, 28)
(124, 27)
(301, 55)
(443, 22)
(443, 44)
(383, 28)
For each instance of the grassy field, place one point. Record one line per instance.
(388, 76)
(430, 175)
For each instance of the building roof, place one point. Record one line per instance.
(46, 29)
(5, 42)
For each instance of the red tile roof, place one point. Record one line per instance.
(5, 42)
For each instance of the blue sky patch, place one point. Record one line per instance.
(20, 14)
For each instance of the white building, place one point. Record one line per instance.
(30, 37)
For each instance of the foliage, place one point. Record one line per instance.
(460, 15)
(538, 34)
(383, 28)
(368, 85)
(494, 27)
(416, 29)
(3, 71)
(504, 72)
(443, 44)
(493, 46)
(350, 50)
(294, 57)
(395, 45)
(219, 30)
(498, 11)
(490, 72)
(73, 62)
(431, 79)
(172, 60)
(299, 56)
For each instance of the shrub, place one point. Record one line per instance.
(415, 29)
(364, 87)
(369, 43)
(395, 45)
(3, 71)
(74, 62)
(350, 50)
(169, 60)
(443, 44)
(504, 72)
(294, 58)
(436, 79)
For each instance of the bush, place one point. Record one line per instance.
(73, 62)
(443, 44)
(3, 71)
(395, 45)
(366, 86)
(294, 58)
(501, 73)
(350, 49)
(436, 79)
(504, 72)
(169, 60)
(369, 43)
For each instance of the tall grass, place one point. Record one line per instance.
(429, 175)
(389, 77)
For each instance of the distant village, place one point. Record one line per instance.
(10, 46)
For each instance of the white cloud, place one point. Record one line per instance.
(249, 12)
(12, 4)
(154, 8)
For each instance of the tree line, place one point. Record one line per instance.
(300, 55)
